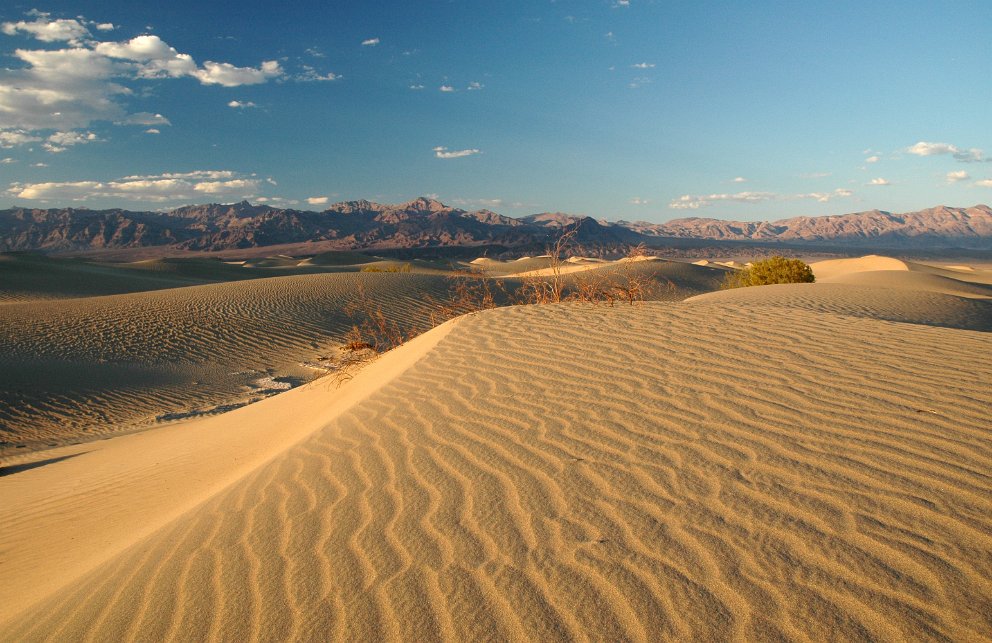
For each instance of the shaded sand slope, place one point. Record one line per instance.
(706, 470)
(26, 277)
(89, 366)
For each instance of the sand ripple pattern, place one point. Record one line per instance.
(95, 365)
(658, 472)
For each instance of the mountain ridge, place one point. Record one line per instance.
(426, 222)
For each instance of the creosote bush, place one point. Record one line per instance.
(777, 270)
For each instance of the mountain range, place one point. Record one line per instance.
(427, 222)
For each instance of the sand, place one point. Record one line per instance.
(85, 367)
(785, 462)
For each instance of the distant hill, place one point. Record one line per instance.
(425, 223)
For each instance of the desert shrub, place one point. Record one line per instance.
(404, 268)
(776, 270)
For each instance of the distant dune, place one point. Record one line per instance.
(801, 462)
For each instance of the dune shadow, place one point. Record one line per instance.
(18, 468)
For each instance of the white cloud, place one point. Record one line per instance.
(739, 179)
(160, 188)
(640, 81)
(317, 200)
(39, 164)
(621, 3)
(872, 159)
(443, 153)
(237, 104)
(639, 201)
(46, 30)
(643, 66)
(959, 175)
(85, 82)
(823, 197)
(311, 75)
(985, 183)
(61, 141)
(225, 187)
(13, 138)
(815, 175)
(474, 86)
(7, 161)
(446, 88)
(145, 118)
(879, 181)
(152, 130)
(923, 148)
(693, 202)
(227, 75)
(416, 87)
(371, 42)
(199, 175)
(105, 26)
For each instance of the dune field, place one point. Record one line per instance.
(171, 339)
(801, 462)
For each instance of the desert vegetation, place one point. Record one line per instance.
(775, 270)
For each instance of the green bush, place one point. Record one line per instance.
(777, 270)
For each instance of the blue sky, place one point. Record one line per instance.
(636, 110)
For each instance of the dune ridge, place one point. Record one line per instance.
(712, 469)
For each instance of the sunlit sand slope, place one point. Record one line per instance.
(708, 470)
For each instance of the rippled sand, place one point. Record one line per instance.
(806, 462)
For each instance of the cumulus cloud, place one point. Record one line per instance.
(13, 138)
(924, 148)
(444, 153)
(694, 202)
(638, 201)
(643, 66)
(159, 188)
(152, 130)
(86, 80)
(317, 200)
(446, 88)
(739, 179)
(7, 161)
(61, 141)
(872, 159)
(985, 183)
(237, 104)
(47, 30)
(416, 86)
(879, 181)
(371, 42)
(105, 26)
(474, 86)
(959, 175)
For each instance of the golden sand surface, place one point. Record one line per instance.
(806, 462)
(85, 367)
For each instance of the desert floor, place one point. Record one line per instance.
(800, 462)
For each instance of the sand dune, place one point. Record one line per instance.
(89, 367)
(826, 270)
(764, 464)
(93, 366)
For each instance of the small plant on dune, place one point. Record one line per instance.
(404, 268)
(545, 290)
(776, 270)
(469, 291)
